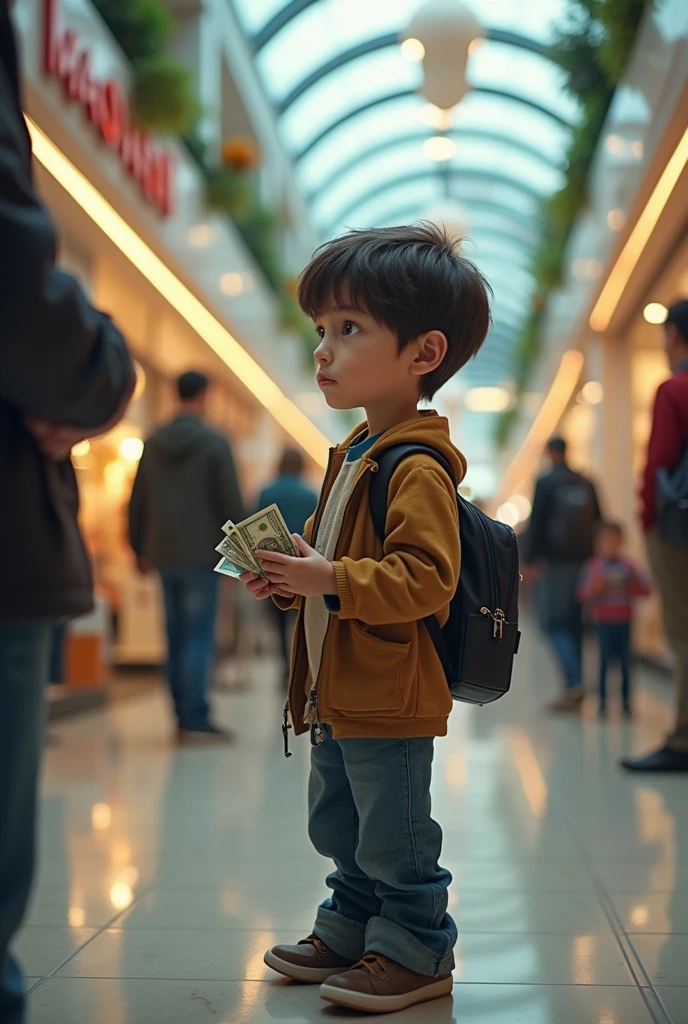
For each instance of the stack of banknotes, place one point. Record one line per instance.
(266, 530)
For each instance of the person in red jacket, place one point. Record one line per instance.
(669, 562)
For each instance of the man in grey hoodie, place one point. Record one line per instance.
(186, 487)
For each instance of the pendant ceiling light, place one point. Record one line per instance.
(440, 34)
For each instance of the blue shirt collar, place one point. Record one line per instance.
(356, 451)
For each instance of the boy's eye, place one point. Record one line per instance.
(349, 328)
(320, 331)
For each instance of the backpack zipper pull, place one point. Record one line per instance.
(498, 619)
(286, 726)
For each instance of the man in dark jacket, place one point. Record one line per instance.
(560, 538)
(186, 488)
(64, 375)
(668, 445)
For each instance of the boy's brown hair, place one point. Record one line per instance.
(413, 279)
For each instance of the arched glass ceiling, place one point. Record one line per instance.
(351, 117)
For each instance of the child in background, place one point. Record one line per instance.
(609, 583)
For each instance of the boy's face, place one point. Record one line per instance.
(359, 363)
(609, 544)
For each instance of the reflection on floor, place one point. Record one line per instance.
(165, 873)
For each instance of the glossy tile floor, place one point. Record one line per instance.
(166, 873)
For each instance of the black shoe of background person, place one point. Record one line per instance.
(211, 735)
(664, 760)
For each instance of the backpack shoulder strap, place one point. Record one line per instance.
(387, 462)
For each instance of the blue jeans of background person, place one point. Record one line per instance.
(369, 811)
(561, 619)
(24, 660)
(567, 642)
(190, 595)
(615, 645)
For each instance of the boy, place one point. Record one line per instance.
(608, 584)
(398, 312)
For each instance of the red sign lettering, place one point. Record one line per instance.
(106, 107)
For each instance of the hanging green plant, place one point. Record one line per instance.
(142, 28)
(621, 20)
(259, 229)
(592, 46)
(163, 96)
(228, 191)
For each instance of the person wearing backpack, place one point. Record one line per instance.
(560, 539)
(665, 522)
(398, 312)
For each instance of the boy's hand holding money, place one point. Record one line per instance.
(309, 575)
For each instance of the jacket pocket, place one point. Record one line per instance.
(371, 675)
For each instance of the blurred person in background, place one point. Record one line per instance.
(297, 504)
(185, 488)
(559, 539)
(667, 448)
(609, 584)
(65, 375)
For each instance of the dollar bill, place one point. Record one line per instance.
(227, 568)
(242, 551)
(233, 553)
(267, 531)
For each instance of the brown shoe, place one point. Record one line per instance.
(571, 701)
(310, 960)
(379, 985)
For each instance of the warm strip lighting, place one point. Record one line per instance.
(637, 240)
(551, 411)
(215, 335)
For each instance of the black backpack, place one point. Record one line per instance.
(572, 519)
(478, 643)
(672, 503)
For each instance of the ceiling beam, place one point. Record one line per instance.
(404, 94)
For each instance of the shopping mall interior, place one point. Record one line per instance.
(192, 155)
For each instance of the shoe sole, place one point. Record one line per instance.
(386, 1004)
(311, 975)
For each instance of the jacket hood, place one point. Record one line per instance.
(181, 438)
(429, 428)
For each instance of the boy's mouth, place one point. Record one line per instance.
(323, 380)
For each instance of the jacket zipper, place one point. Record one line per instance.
(311, 716)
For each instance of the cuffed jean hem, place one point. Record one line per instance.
(347, 938)
(351, 939)
(390, 939)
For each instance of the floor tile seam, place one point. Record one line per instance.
(221, 929)
(636, 967)
(271, 982)
(653, 1000)
(185, 859)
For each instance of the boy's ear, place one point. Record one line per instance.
(430, 348)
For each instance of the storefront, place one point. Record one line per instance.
(76, 83)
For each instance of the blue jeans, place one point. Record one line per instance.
(567, 642)
(24, 660)
(615, 643)
(369, 811)
(190, 595)
(561, 618)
